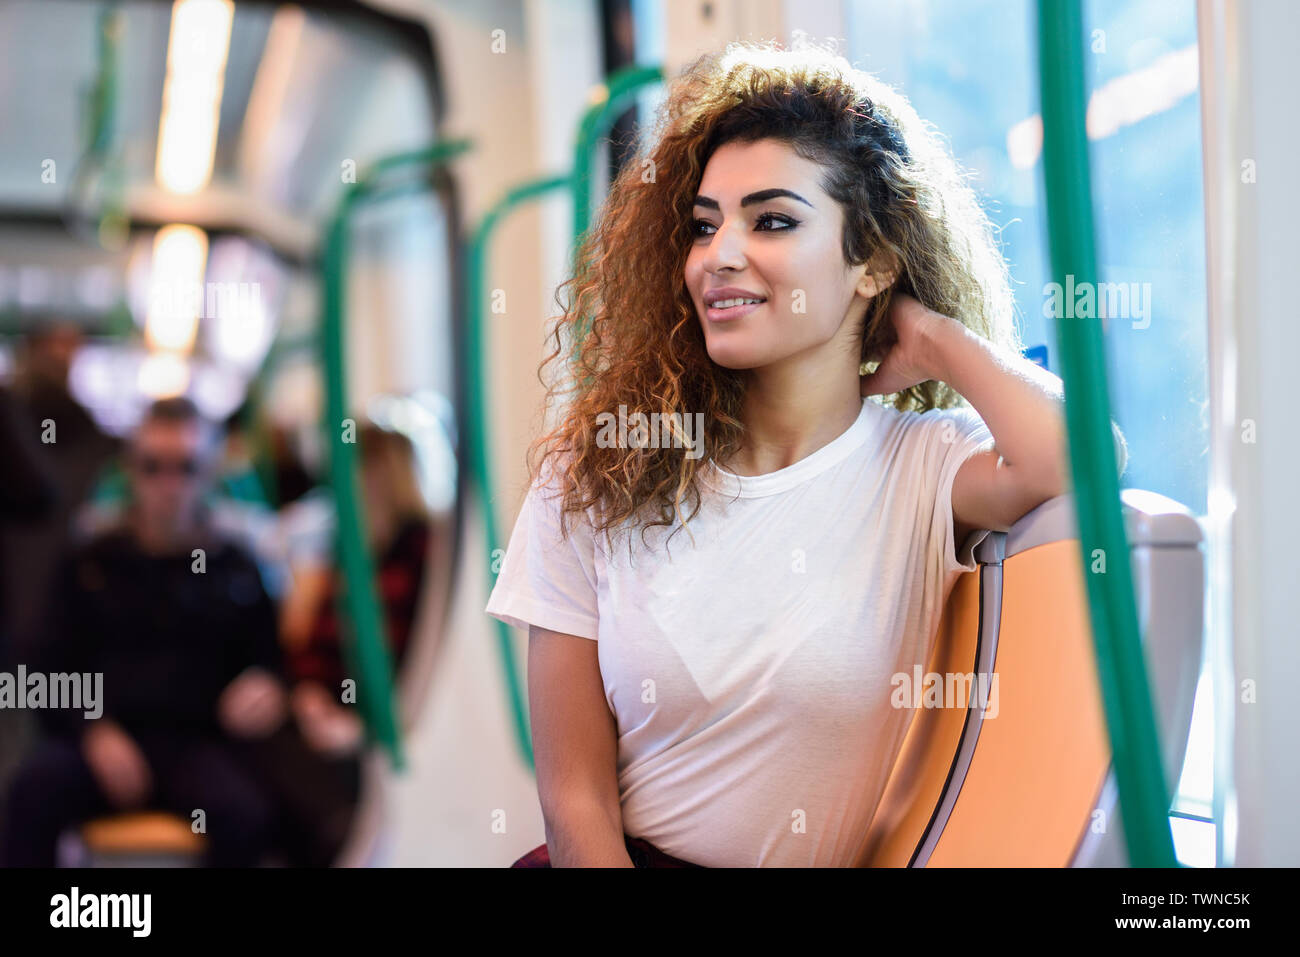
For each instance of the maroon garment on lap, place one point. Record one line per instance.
(643, 854)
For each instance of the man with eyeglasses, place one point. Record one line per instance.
(176, 619)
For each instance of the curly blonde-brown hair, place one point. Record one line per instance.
(630, 326)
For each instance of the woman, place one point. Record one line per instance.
(724, 699)
(313, 762)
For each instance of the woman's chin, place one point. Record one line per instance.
(730, 357)
(729, 362)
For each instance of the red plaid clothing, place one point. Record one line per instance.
(400, 573)
(643, 854)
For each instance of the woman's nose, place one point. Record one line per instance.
(726, 250)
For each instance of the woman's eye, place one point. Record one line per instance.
(767, 222)
(775, 222)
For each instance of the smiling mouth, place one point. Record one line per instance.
(725, 310)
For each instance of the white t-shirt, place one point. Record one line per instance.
(750, 672)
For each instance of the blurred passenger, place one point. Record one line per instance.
(290, 473)
(242, 505)
(175, 618)
(27, 487)
(75, 451)
(239, 478)
(235, 500)
(26, 496)
(313, 761)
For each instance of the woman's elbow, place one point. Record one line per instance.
(583, 830)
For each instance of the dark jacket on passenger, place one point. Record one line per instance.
(167, 638)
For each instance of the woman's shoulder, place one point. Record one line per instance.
(554, 481)
(909, 420)
(910, 439)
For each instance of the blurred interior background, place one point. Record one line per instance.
(170, 173)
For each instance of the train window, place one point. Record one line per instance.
(970, 69)
(400, 307)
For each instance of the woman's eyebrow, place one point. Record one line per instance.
(756, 197)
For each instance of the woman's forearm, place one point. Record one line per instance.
(586, 834)
(575, 740)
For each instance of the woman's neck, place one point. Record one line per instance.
(789, 415)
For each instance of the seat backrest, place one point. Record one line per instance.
(1023, 778)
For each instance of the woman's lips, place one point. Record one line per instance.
(731, 313)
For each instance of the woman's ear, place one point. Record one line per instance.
(880, 273)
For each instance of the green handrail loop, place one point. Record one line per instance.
(97, 178)
(1126, 696)
(480, 456)
(368, 651)
(609, 99)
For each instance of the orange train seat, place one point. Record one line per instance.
(139, 838)
(1021, 774)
